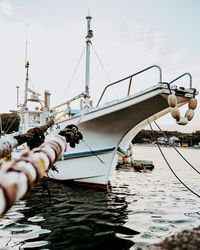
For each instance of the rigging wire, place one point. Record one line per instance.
(77, 124)
(93, 151)
(176, 149)
(169, 164)
(104, 70)
(84, 112)
(74, 72)
(101, 63)
(9, 126)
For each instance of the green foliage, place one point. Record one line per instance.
(147, 136)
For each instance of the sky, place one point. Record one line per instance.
(129, 35)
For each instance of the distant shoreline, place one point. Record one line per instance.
(162, 146)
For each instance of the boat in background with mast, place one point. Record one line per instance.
(34, 111)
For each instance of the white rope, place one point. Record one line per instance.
(19, 176)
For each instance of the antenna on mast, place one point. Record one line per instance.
(26, 85)
(26, 46)
(27, 71)
(87, 73)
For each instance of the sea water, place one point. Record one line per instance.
(139, 209)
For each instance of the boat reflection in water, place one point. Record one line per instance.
(66, 217)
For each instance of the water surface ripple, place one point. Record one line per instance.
(139, 209)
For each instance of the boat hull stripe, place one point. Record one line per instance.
(121, 150)
(87, 153)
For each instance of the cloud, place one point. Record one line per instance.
(6, 8)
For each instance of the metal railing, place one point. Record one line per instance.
(181, 77)
(130, 81)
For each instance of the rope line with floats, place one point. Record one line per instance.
(169, 164)
(17, 177)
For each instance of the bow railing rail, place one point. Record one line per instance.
(130, 81)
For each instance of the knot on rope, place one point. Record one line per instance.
(35, 136)
(175, 112)
(72, 135)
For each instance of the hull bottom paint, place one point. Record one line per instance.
(83, 184)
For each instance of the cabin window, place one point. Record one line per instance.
(34, 118)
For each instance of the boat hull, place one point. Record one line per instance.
(108, 128)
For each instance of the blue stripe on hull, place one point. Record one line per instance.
(88, 153)
(121, 150)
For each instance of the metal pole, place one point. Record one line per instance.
(26, 85)
(0, 125)
(17, 96)
(87, 73)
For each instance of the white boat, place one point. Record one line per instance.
(108, 128)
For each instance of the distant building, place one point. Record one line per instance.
(162, 141)
(175, 141)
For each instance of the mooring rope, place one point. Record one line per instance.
(169, 164)
(20, 175)
(176, 149)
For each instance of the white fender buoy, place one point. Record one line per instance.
(182, 121)
(128, 153)
(189, 114)
(175, 113)
(130, 145)
(126, 160)
(131, 151)
(172, 101)
(132, 158)
(192, 103)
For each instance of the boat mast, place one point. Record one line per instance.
(87, 74)
(26, 85)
